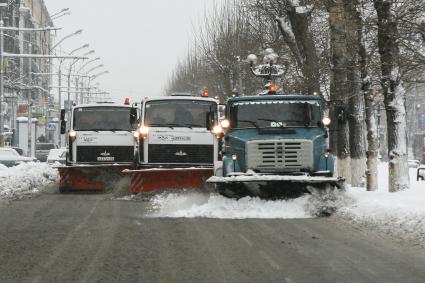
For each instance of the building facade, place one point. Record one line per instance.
(24, 85)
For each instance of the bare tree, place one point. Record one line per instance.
(394, 95)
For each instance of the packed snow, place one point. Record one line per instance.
(196, 204)
(25, 179)
(401, 214)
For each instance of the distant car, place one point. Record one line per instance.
(421, 174)
(20, 151)
(57, 155)
(414, 163)
(42, 150)
(9, 157)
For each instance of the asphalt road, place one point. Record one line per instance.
(92, 238)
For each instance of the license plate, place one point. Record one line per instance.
(106, 158)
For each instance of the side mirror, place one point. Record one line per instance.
(63, 127)
(62, 114)
(222, 111)
(210, 120)
(134, 121)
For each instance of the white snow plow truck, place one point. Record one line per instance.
(100, 146)
(176, 143)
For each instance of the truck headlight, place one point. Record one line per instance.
(72, 135)
(217, 130)
(143, 132)
(326, 121)
(225, 124)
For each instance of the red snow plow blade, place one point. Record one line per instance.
(90, 177)
(151, 180)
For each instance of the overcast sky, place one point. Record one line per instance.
(139, 41)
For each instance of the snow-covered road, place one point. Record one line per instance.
(401, 214)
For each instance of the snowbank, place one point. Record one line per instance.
(401, 214)
(195, 204)
(25, 179)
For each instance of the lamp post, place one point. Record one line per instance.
(78, 32)
(70, 70)
(92, 78)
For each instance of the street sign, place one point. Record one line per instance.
(421, 121)
(37, 111)
(22, 110)
(51, 127)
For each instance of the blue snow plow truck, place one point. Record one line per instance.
(275, 146)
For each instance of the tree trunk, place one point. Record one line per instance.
(338, 89)
(371, 115)
(356, 99)
(295, 29)
(394, 96)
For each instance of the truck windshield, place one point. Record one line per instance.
(274, 114)
(178, 113)
(102, 119)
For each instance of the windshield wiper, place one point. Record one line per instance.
(190, 126)
(171, 126)
(251, 122)
(114, 130)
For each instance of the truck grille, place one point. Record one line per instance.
(182, 154)
(280, 155)
(105, 154)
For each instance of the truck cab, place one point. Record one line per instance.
(276, 134)
(178, 132)
(100, 133)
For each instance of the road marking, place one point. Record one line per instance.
(55, 255)
(248, 242)
(270, 260)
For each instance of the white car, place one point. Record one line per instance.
(10, 157)
(57, 155)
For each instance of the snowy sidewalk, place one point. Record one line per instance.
(24, 179)
(401, 214)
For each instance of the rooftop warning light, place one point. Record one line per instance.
(272, 88)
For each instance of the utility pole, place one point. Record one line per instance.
(29, 102)
(60, 97)
(1, 79)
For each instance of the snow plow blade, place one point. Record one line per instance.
(91, 177)
(152, 180)
(272, 186)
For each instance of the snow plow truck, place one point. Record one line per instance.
(177, 143)
(100, 146)
(275, 146)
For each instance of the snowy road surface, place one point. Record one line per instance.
(94, 238)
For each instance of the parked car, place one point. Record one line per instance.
(421, 174)
(42, 150)
(57, 155)
(20, 151)
(9, 157)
